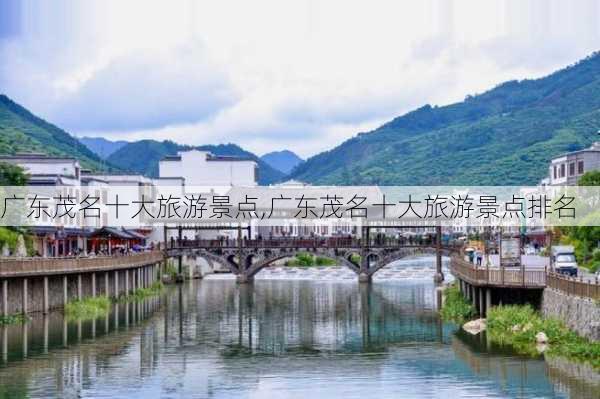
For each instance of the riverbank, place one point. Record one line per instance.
(529, 333)
(524, 329)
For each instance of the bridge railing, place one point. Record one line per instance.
(309, 242)
(573, 286)
(495, 276)
(23, 267)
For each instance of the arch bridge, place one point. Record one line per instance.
(365, 256)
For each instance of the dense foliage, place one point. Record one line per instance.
(456, 308)
(585, 239)
(143, 156)
(501, 137)
(21, 131)
(590, 179)
(12, 175)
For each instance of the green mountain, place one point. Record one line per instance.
(21, 131)
(504, 136)
(284, 161)
(101, 146)
(143, 156)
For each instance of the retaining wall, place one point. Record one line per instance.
(580, 314)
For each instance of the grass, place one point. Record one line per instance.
(143, 293)
(517, 326)
(305, 259)
(456, 308)
(88, 308)
(13, 319)
(93, 307)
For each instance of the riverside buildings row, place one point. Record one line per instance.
(68, 236)
(214, 174)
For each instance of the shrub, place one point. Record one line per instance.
(456, 308)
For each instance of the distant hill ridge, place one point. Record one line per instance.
(101, 146)
(506, 135)
(284, 161)
(21, 131)
(143, 156)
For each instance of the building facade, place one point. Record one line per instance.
(201, 168)
(568, 168)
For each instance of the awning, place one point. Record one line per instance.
(112, 232)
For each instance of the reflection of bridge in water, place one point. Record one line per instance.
(364, 256)
(319, 318)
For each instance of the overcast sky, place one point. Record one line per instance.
(274, 74)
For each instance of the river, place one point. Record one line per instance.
(292, 334)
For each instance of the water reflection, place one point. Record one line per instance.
(272, 339)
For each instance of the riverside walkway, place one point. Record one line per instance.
(41, 284)
(491, 285)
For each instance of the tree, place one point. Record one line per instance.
(590, 179)
(587, 237)
(12, 175)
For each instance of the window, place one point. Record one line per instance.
(580, 167)
(572, 169)
(566, 258)
(562, 170)
(555, 172)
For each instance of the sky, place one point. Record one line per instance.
(302, 75)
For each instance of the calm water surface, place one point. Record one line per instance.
(275, 339)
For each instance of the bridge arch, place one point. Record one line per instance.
(386, 257)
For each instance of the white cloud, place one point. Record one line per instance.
(269, 74)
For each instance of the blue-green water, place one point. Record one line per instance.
(274, 339)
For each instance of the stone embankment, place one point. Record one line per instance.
(580, 314)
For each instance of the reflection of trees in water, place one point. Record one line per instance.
(519, 375)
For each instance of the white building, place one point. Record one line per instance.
(201, 168)
(47, 170)
(568, 168)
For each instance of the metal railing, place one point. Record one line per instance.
(23, 267)
(495, 276)
(574, 286)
